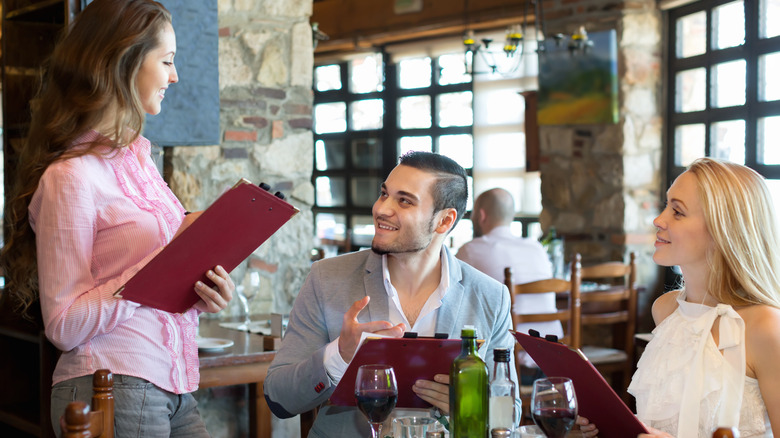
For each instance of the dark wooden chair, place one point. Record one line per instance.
(613, 305)
(79, 421)
(568, 313)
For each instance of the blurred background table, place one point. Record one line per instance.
(245, 362)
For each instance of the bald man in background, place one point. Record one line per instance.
(494, 248)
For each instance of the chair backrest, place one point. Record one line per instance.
(79, 421)
(567, 291)
(617, 304)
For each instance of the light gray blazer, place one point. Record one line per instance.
(297, 380)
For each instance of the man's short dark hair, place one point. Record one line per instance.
(451, 188)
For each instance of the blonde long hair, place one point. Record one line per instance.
(740, 217)
(91, 72)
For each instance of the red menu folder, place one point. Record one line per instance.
(412, 359)
(235, 225)
(596, 400)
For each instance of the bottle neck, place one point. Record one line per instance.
(501, 370)
(468, 345)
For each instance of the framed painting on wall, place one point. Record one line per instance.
(578, 85)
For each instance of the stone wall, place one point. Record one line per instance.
(265, 75)
(265, 68)
(606, 178)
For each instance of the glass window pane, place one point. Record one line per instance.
(421, 143)
(498, 107)
(331, 226)
(728, 140)
(768, 72)
(414, 73)
(367, 114)
(692, 35)
(365, 190)
(330, 117)
(366, 74)
(768, 133)
(455, 109)
(414, 112)
(769, 18)
(367, 153)
(688, 143)
(327, 77)
(458, 147)
(728, 84)
(362, 231)
(331, 191)
(452, 69)
(504, 150)
(728, 25)
(691, 90)
(330, 154)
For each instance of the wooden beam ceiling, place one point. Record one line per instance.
(353, 25)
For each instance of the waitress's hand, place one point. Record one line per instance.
(215, 298)
(588, 429)
(436, 392)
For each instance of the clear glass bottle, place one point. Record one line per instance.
(468, 390)
(502, 392)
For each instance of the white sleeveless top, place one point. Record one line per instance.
(686, 387)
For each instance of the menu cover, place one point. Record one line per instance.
(412, 359)
(596, 400)
(225, 234)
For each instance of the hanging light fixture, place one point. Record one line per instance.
(503, 60)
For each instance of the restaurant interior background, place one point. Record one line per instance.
(321, 112)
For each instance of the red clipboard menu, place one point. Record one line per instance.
(225, 234)
(412, 359)
(596, 400)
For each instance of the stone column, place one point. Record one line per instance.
(601, 183)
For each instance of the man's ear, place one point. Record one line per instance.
(446, 220)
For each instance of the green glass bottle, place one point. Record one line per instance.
(469, 390)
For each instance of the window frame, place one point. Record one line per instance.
(753, 109)
(389, 134)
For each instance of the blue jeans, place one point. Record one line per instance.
(141, 409)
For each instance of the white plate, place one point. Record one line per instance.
(213, 344)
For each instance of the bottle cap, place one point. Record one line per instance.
(501, 355)
(500, 432)
(468, 331)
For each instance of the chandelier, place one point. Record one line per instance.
(507, 59)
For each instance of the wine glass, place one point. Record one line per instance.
(554, 406)
(376, 394)
(244, 296)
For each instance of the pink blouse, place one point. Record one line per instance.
(97, 221)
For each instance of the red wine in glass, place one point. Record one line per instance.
(376, 393)
(554, 406)
(376, 404)
(554, 422)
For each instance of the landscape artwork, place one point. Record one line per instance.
(578, 86)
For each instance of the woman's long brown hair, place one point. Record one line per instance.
(91, 73)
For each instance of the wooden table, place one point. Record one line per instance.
(246, 362)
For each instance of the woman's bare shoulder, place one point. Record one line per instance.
(664, 306)
(762, 338)
(761, 322)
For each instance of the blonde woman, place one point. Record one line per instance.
(713, 360)
(90, 209)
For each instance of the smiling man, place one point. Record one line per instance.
(407, 281)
